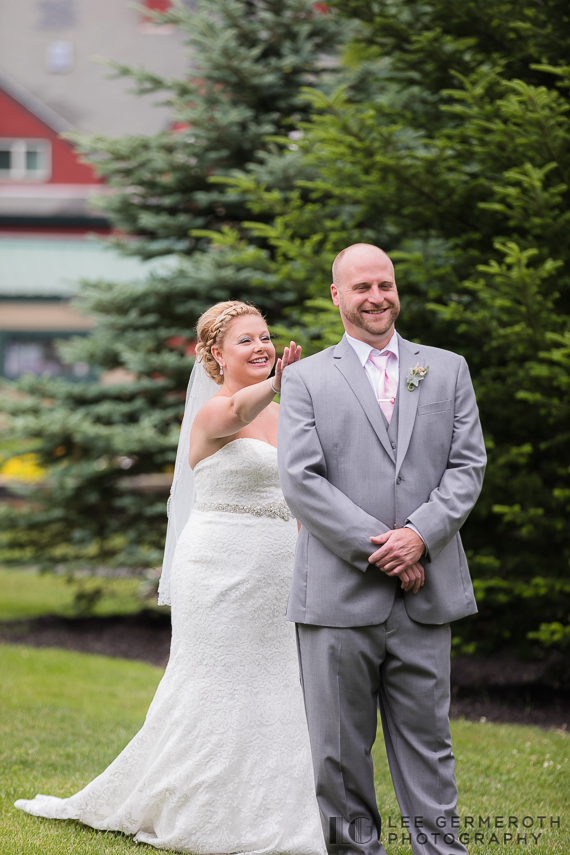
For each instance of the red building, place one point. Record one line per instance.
(51, 84)
(44, 216)
(30, 146)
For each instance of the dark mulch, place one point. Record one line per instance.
(497, 689)
(505, 689)
(144, 636)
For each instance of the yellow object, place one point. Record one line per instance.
(24, 467)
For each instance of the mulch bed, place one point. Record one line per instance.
(144, 636)
(497, 689)
(504, 689)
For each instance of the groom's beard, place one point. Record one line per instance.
(372, 324)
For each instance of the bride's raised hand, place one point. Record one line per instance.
(291, 354)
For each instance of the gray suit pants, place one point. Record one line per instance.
(403, 667)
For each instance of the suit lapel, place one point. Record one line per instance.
(408, 403)
(347, 362)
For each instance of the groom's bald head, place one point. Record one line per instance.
(356, 254)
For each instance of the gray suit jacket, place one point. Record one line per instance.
(345, 482)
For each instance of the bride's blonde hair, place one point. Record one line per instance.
(211, 330)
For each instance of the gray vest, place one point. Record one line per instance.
(392, 428)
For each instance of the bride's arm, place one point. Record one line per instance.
(226, 415)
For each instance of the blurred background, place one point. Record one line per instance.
(160, 157)
(50, 83)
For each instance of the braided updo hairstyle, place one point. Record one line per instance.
(211, 330)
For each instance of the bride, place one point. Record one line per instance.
(222, 762)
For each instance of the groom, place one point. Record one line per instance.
(381, 459)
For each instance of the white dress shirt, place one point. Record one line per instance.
(373, 373)
(363, 350)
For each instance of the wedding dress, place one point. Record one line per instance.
(222, 763)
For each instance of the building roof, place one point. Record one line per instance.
(40, 110)
(82, 91)
(53, 267)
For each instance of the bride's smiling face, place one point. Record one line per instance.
(247, 353)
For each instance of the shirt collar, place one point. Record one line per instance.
(362, 349)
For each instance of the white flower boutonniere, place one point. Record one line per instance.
(414, 376)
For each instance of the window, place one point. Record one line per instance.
(59, 57)
(56, 14)
(36, 353)
(22, 160)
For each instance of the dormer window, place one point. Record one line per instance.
(25, 160)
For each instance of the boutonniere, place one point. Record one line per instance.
(414, 376)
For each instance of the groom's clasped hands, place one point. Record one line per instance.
(399, 555)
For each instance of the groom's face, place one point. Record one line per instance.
(366, 295)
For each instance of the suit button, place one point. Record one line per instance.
(399, 479)
(393, 444)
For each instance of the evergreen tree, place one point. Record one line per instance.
(450, 148)
(250, 61)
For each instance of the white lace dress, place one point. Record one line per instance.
(222, 763)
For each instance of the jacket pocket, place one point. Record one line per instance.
(434, 407)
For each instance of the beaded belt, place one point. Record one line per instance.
(277, 510)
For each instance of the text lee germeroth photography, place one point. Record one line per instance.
(490, 830)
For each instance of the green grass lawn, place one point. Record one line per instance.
(64, 716)
(27, 594)
(502, 771)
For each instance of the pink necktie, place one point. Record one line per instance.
(387, 386)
